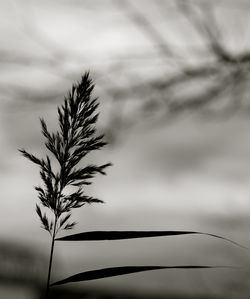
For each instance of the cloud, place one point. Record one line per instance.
(191, 146)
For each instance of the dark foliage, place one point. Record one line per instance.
(75, 139)
(122, 235)
(117, 271)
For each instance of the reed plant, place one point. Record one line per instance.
(75, 138)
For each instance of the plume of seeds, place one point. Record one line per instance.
(75, 139)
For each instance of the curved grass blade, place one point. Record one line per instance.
(122, 235)
(117, 271)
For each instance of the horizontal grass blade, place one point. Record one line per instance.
(117, 271)
(122, 235)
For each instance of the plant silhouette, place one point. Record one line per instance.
(76, 138)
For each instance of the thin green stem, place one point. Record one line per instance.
(51, 259)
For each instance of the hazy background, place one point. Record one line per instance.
(172, 78)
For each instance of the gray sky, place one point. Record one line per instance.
(192, 174)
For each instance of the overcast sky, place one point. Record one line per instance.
(192, 174)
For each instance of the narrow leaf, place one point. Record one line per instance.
(117, 271)
(38, 210)
(121, 235)
(70, 226)
(64, 219)
(31, 157)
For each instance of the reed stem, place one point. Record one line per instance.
(50, 260)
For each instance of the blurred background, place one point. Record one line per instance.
(172, 79)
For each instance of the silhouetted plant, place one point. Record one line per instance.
(75, 139)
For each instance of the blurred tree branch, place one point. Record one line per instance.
(216, 86)
(204, 76)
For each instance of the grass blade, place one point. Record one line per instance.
(117, 271)
(122, 235)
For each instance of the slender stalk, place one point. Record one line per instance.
(51, 259)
